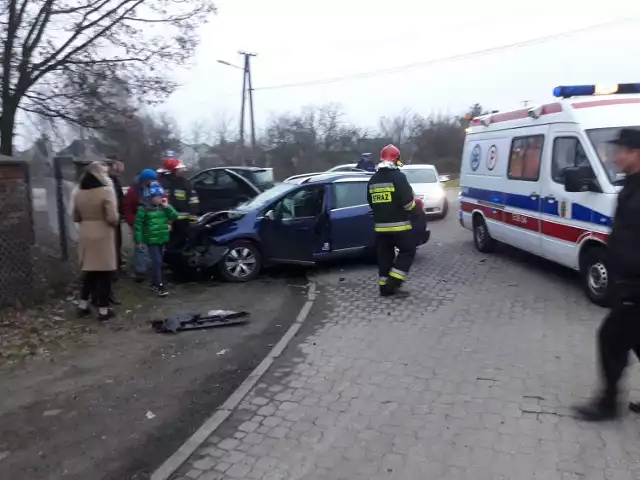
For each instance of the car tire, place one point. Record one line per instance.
(241, 263)
(596, 276)
(482, 239)
(445, 209)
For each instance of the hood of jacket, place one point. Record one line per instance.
(96, 175)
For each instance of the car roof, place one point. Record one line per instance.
(331, 177)
(418, 166)
(239, 167)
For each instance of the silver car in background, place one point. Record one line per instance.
(429, 187)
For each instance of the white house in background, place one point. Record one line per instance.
(191, 154)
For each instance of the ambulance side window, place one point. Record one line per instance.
(567, 152)
(524, 158)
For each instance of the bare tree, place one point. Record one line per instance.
(200, 132)
(403, 127)
(57, 54)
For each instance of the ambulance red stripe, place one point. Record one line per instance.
(568, 233)
(604, 103)
(547, 109)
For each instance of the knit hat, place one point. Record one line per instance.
(155, 190)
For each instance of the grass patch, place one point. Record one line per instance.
(454, 183)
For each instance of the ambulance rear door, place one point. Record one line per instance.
(565, 216)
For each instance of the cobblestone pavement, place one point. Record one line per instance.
(470, 378)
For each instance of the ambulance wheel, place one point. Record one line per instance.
(481, 238)
(596, 276)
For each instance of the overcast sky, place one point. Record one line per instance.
(299, 41)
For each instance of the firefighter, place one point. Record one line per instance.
(179, 195)
(391, 199)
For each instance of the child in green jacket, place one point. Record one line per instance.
(151, 228)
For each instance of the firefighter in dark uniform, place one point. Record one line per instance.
(180, 195)
(391, 199)
(620, 331)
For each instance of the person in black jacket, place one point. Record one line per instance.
(620, 330)
(115, 170)
(391, 198)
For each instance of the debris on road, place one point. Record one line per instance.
(150, 415)
(194, 321)
(52, 413)
(223, 351)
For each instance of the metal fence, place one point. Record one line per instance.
(37, 234)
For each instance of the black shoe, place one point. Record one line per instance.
(400, 293)
(634, 407)
(83, 312)
(106, 316)
(114, 300)
(598, 410)
(161, 291)
(385, 291)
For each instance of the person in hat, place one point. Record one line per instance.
(151, 228)
(366, 163)
(619, 332)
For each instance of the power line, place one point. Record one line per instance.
(462, 56)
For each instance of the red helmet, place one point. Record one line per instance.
(390, 153)
(172, 164)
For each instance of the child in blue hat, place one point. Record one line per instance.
(152, 229)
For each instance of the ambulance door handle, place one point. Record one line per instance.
(534, 195)
(550, 198)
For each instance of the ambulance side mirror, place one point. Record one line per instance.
(579, 179)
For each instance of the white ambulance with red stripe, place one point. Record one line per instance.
(543, 179)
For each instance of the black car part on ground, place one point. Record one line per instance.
(197, 321)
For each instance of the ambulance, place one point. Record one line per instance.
(542, 178)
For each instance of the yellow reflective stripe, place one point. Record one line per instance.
(382, 189)
(396, 275)
(382, 281)
(194, 200)
(393, 229)
(409, 206)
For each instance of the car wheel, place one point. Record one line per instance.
(445, 209)
(481, 237)
(596, 276)
(241, 263)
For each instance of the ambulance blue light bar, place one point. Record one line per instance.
(589, 90)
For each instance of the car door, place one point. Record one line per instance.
(523, 191)
(204, 185)
(561, 228)
(293, 228)
(351, 217)
(218, 190)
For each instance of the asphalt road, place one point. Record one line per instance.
(119, 405)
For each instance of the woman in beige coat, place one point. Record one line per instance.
(96, 212)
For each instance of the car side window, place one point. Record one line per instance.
(224, 181)
(524, 158)
(205, 179)
(349, 194)
(303, 203)
(567, 152)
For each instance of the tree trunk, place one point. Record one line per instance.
(7, 126)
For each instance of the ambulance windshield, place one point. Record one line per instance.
(600, 138)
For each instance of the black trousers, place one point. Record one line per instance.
(393, 270)
(119, 244)
(619, 334)
(97, 285)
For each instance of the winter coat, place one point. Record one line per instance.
(180, 194)
(95, 210)
(152, 224)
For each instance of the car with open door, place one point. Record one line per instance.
(320, 218)
(222, 188)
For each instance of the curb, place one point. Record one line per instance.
(176, 460)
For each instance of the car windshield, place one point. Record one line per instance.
(265, 197)
(420, 175)
(600, 138)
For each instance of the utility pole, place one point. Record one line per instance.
(247, 88)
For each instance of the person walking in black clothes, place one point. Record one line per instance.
(116, 168)
(620, 330)
(391, 198)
